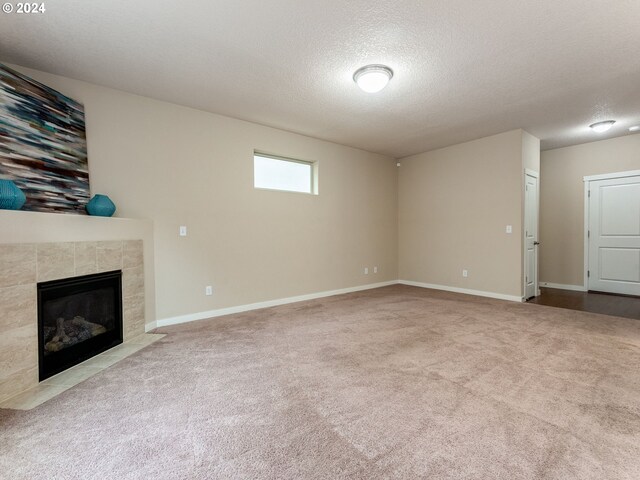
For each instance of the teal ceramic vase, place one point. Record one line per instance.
(11, 197)
(100, 206)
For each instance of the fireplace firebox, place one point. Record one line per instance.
(78, 318)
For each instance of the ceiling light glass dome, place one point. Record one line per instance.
(373, 78)
(601, 127)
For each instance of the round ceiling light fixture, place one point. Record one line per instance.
(602, 127)
(373, 78)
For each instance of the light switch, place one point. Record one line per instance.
(509, 229)
(183, 231)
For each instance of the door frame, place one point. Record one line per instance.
(587, 186)
(536, 175)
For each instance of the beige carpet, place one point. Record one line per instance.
(397, 382)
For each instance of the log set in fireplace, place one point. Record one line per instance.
(78, 318)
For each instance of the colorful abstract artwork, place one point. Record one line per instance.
(43, 145)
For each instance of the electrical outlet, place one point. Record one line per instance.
(183, 231)
(375, 269)
(465, 273)
(509, 229)
(208, 290)
(366, 270)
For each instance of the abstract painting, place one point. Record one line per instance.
(43, 144)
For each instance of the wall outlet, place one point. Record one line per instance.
(465, 273)
(208, 290)
(183, 231)
(375, 269)
(509, 229)
(366, 270)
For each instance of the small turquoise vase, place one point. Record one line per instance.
(100, 206)
(11, 197)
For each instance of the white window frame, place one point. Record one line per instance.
(313, 187)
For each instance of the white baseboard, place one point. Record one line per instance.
(165, 322)
(575, 288)
(479, 293)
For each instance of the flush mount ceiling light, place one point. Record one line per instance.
(373, 78)
(601, 127)
(635, 128)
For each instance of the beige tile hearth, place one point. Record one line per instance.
(146, 339)
(72, 376)
(24, 265)
(103, 361)
(14, 383)
(126, 349)
(57, 384)
(33, 397)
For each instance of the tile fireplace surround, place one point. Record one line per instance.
(23, 265)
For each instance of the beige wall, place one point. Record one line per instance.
(179, 166)
(562, 201)
(454, 205)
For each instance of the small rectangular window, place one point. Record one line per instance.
(279, 173)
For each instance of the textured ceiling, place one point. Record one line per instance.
(463, 69)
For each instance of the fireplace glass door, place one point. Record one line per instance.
(78, 318)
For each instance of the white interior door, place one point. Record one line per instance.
(614, 235)
(530, 236)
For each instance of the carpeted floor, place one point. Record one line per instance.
(397, 382)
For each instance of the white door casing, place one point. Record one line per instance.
(530, 234)
(613, 235)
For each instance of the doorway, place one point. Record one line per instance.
(612, 233)
(531, 206)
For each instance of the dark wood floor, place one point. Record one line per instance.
(617, 305)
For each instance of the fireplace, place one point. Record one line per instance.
(78, 318)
